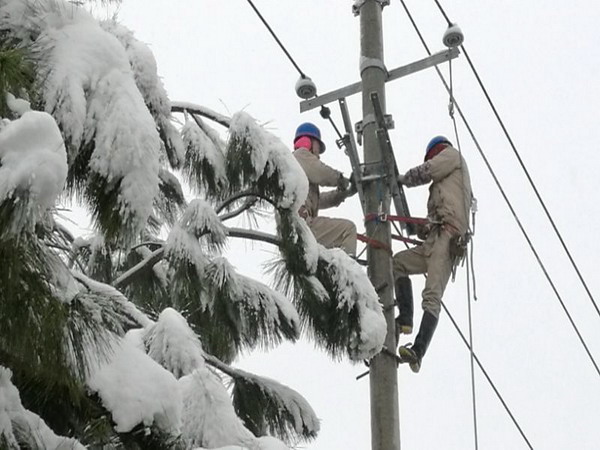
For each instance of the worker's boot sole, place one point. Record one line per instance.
(408, 355)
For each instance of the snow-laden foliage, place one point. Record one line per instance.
(257, 160)
(136, 389)
(88, 85)
(262, 402)
(106, 291)
(209, 419)
(170, 201)
(357, 310)
(20, 428)
(172, 343)
(33, 170)
(204, 166)
(151, 87)
(247, 313)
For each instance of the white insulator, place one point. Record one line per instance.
(453, 37)
(305, 88)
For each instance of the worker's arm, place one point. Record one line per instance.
(332, 198)
(437, 168)
(316, 171)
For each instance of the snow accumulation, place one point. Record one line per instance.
(107, 290)
(172, 343)
(200, 219)
(90, 89)
(270, 153)
(356, 291)
(148, 82)
(13, 416)
(254, 294)
(207, 146)
(136, 389)
(33, 161)
(209, 418)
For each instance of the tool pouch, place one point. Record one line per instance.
(458, 247)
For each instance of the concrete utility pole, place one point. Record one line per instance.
(385, 420)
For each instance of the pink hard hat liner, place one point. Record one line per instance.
(303, 142)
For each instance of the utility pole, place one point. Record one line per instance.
(385, 420)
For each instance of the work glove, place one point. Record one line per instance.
(400, 179)
(352, 189)
(423, 230)
(342, 183)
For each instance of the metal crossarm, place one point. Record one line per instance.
(392, 173)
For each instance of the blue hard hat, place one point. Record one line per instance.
(435, 141)
(310, 130)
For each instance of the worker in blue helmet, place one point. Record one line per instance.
(330, 232)
(448, 207)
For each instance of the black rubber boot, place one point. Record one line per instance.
(413, 354)
(404, 301)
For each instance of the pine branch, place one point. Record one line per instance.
(146, 264)
(201, 111)
(266, 405)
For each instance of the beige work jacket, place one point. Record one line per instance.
(318, 174)
(450, 194)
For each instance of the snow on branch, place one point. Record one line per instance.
(20, 428)
(209, 419)
(172, 343)
(338, 306)
(137, 390)
(258, 315)
(258, 160)
(87, 84)
(33, 170)
(204, 165)
(357, 308)
(151, 87)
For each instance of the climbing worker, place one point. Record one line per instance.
(329, 232)
(445, 237)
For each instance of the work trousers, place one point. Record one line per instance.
(433, 258)
(333, 233)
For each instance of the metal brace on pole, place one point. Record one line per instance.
(389, 161)
(352, 152)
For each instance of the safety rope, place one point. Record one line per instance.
(469, 266)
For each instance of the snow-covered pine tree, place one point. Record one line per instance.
(125, 339)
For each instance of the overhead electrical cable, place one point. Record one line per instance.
(260, 16)
(289, 56)
(507, 201)
(488, 377)
(522, 164)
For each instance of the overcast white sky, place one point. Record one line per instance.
(540, 62)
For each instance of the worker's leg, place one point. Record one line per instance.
(407, 262)
(439, 268)
(333, 233)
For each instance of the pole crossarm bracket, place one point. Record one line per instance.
(399, 72)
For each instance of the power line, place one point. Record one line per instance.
(507, 201)
(487, 376)
(325, 113)
(522, 164)
(260, 16)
